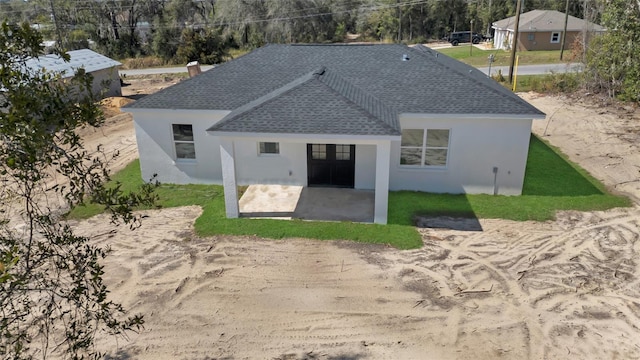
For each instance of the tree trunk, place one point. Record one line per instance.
(114, 26)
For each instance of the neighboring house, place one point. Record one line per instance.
(106, 80)
(541, 30)
(379, 117)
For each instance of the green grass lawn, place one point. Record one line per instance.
(479, 58)
(552, 183)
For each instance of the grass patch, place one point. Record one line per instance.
(214, 222)
(547, 83)
(170, 195)
(480, 58)
(143, 62)
(552, 183)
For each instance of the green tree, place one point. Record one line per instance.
(53, 301)
(612, 62)
(205, 46)
(245, 20)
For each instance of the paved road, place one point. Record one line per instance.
(163, 70)
(522, 70)
(535, 69)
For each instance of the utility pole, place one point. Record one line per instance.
(471, 38)
(55, 23)
(489, 20)
(564, 33)
(399, 10)
(515, 40)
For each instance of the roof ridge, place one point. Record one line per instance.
(369, 103)
(268, 97)
(542, 13)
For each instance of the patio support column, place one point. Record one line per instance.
(228, 162)
(381, 206)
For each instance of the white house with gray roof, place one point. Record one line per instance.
(106, 80)
(379, 117)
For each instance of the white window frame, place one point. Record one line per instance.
(260, 153)
(559, 34)
(175, 142)
(424, 148)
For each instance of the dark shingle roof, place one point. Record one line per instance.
(372, 80)
(320, 102)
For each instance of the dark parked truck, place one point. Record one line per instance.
(459, 37)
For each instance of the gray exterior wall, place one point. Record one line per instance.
(107, 82)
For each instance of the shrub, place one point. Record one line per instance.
(143, 62)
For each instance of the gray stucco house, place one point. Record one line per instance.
(379, 117)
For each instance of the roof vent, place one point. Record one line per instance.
(405, 57)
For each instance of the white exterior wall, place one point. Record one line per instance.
(365, 176)
(287, 168)
(157, 151)
(107, 82)
(476, 146)
(157, 154)
(502, 39)
(290, 166)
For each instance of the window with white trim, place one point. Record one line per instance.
(555, 37)
(424, 147)
(183, 141)
(269, 148)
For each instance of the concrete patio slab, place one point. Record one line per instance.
(269, 201)
(315, 203)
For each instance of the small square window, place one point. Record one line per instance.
(412, 137)
(555, 37)
(435, 157)
(437, 138)
(269, 148)
(531, 37)
(318, 151)
(410, 156)
(182, 132)
(343, 152)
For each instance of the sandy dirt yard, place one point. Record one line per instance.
(563, 289)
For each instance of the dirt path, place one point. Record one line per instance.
(566, 289)
(563, 289)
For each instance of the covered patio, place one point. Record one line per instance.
(307, 203)
(321, 129)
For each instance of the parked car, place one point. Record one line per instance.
(458, 37)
